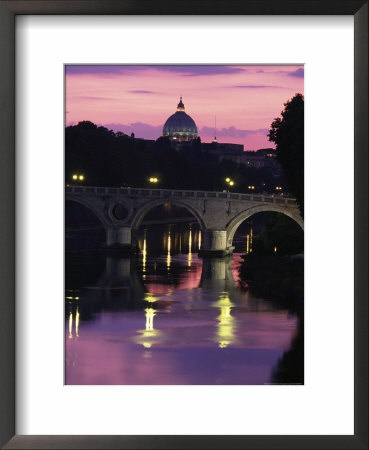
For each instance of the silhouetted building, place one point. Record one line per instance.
(182, 132)
(263, 158)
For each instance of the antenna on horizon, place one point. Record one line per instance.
(215, 129)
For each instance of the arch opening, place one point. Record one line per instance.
(84, 230)
(144, 210)
(168, 228)
(266, 232)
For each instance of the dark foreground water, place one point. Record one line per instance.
(169, 317)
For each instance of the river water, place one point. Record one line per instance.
(170, 317)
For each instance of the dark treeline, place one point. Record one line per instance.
(106, 158)
(276, 264)
(277, 234)
(287, 132)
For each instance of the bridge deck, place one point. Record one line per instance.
(173, 193)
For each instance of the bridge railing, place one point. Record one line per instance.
(173, 193)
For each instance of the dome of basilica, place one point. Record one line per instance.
(180, 126)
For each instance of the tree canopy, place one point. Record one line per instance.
(288, 135)
(106, 158)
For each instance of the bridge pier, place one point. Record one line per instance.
(115, 207)
(120, 238)
(215, 244)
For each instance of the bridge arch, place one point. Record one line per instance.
(244, 215)
(144, 209)
(95, 209)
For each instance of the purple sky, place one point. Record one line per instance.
(139, 99)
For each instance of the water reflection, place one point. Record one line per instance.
(169, 317)
(226, 326)
(168, 247)
(249, 237)
(144, 253)
(189, 258)
(169, 239)
(148, 335)
(71, 335)
(217, 274)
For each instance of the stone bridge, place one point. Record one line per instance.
(219, 214)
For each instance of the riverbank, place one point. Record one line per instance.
(278, 276)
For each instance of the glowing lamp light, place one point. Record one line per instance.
(229, 181)
(77, 176)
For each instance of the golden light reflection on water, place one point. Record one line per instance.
(71, 325)
(226, 327)
(77, 322)
(173, 243)
(149, 334)
(249, 237)
(76, 327)
(149, 331)
(149, 315)
(149, 297)
(189, 259)
(168, 254)
(144, 253)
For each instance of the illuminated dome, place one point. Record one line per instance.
(180, 126)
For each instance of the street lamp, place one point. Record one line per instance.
(78, 177)
(251, 188)
(229, 181)
(153, 180)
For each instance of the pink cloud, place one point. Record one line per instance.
(141, 98)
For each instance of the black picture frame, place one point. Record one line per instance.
(8, 11)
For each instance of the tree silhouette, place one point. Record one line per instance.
(288, 134)
(106, 158)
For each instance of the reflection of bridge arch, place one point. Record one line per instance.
(151, 204)
(244, 215)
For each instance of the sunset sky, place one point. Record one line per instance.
(139, 99)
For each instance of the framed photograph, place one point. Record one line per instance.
(169, 240)
(184, 225)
